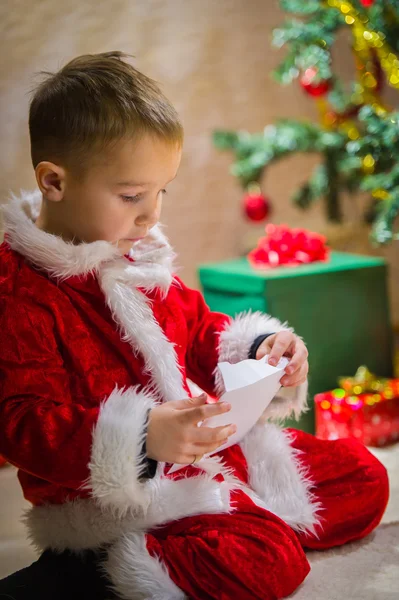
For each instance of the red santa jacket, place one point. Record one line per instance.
(90, 342)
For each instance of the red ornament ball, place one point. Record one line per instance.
(367, 3)
(256, 206)
(308, 83)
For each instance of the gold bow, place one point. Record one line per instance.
(363, 382)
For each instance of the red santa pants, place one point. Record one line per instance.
(253, 554)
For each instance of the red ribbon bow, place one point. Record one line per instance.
(287, 247)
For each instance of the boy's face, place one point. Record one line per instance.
(119, 199)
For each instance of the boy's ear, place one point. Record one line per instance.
(51, 180)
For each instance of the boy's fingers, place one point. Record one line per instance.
(266, 345)
(297, 360)
(296, 379)
(200, 413)
(280, 346)
(210, 435)
(201, 449)
(262, 350)
(187, 403)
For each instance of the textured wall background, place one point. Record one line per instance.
(213, 59)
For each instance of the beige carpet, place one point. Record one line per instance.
(365, 570)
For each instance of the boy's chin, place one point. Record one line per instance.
(124, 246)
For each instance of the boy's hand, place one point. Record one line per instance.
(173, 435)
(287, 344)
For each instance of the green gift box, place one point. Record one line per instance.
(340, 308)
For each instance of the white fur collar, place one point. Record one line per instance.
(153, 256)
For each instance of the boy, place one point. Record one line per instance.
(99, 340)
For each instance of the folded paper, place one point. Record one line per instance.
(250, 387)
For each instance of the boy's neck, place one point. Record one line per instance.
(47, 222)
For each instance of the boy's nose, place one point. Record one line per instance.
(150, 214)
(148, 220)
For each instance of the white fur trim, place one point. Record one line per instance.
(116, 462)
(234, 345)
(131, 310)
(63, 259)
(81, 524)
(75, 525)
(237, 338)
(59, 258)
(279, 478)
(175, 499)
(135, 574)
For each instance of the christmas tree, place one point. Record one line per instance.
(358, 133)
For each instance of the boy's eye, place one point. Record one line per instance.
(136, 198)
(130, 198)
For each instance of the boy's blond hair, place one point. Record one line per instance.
(93, 101)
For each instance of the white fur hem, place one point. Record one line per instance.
(136, 574)
(82, 523)
(279, 478)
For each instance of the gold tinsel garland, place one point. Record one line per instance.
(368, 46)
(366, 41)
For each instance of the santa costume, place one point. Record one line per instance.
(91, 341)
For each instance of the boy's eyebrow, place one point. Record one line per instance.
(135, 183)
(132, 183)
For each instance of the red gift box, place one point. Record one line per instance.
(364, 407)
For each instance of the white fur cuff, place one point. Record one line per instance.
(117, 463)
(237, 338)
(234, 346)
